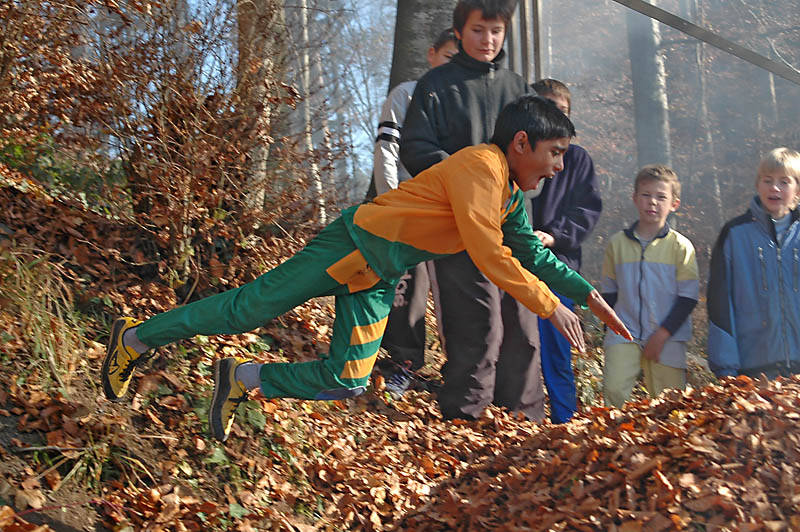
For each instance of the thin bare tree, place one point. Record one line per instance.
(649, 78)
(261, 48)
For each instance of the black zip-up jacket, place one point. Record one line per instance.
(454, 106)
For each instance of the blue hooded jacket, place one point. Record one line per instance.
(754, 296)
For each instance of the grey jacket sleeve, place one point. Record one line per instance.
(387, 168)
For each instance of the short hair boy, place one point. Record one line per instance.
(388, 171)
(563, 212)
(650, 278)
(471, 201)
(404, 338)
(753, 308)
(554, 90)
(455, 106)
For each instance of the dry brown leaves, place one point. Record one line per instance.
(113, 261)
(722, 458)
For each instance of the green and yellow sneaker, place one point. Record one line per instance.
(228, 395)
(120, 360)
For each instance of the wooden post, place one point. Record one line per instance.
(524, 42)
(537, 39)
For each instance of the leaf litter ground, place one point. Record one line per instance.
(723, 457)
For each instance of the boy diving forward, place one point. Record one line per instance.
(471, 201)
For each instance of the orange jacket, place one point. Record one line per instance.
(466, 202)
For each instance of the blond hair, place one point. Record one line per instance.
(661, 173)
(784, 159)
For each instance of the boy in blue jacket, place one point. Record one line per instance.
(754, 282)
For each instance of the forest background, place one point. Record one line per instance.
(155, 152)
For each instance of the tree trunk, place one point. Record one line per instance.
(308, 123)
(261, 58)
(418, 24)
(651, 110)
(703, 185)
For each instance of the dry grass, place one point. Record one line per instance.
(39, 304)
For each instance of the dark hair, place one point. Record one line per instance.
(536, 116)
(546, 86)
(443, 38)
(489, 9)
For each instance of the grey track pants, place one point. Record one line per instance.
(491, 342)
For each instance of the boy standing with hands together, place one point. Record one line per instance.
(650, 278)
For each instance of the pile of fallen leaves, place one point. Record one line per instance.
(715, 458)
(721, 458)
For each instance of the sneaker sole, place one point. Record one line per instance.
(222, 388)
(116, 330)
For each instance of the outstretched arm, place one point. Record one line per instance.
(600, 308)
(568, 324)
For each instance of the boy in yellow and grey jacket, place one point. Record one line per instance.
(472, 201)
(650, 278)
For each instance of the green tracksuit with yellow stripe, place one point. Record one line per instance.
(466, 202)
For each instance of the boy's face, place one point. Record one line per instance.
(482, 38)
(778, 192)
(560, 102)
(654, 201)
(529, 165)
(443, 55)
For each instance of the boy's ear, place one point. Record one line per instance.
(458, 34)
(675, 204)
(519, 141)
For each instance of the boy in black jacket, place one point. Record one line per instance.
(454, 106)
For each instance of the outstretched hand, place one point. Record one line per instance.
(569, 325)
(600, 308)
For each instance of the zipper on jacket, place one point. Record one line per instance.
(794, 273)
(782, 298)
(641, 282)
(763, 268)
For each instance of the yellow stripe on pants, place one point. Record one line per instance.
(363, 334)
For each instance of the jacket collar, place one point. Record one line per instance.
(465, 60)
(629, 232)
(762, 217)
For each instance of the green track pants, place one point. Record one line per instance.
(329, 265)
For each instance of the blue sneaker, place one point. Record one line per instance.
(398, 383)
